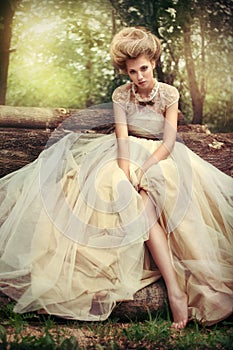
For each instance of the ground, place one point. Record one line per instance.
(19, 146)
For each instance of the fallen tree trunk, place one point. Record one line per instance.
(50, 118)
(31, 117)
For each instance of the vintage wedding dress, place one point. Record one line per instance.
(73, 228)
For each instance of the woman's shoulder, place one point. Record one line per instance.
(122, 93)
(167, 89)
(168, 93)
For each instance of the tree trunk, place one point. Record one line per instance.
(6, 17)
(196, 96)
(49, 118)
(203, 59)
(31, 117)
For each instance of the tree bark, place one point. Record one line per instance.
(50, 118)
(6, 18)
(31, 117)
(196, 96)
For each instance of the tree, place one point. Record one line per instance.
(198, 20)
(7, 10)
(187, 29)
(187, 25)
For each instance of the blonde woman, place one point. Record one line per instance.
(97, 217)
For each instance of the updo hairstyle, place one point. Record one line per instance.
(132, 42)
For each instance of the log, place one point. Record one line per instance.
(50, 118)
(97, 117)
(24, 131)
(147, 301)
(28, 117)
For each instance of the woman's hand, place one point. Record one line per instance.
(140, 174)
(127, 173)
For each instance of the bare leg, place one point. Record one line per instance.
(158, 247)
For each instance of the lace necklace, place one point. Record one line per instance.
(143, 101)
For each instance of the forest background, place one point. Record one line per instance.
(55, 53)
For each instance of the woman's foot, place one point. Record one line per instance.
(179, 307)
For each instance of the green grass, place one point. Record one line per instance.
(30, 331)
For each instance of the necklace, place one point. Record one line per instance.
(143, 101)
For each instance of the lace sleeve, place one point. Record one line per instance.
(169, 95)
(121, 95)
(173, 96)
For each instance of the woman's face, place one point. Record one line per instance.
(140, 71)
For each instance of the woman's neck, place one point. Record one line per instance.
(145, 93)
(148, 94)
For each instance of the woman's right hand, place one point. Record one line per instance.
(139, 174)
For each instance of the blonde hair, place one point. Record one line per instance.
(132, 42)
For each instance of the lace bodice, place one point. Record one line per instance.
(146, 121)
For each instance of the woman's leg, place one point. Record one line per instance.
(159, 250)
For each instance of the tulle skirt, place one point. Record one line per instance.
(73, 229)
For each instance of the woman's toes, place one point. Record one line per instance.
(179, 310)
(179, 325)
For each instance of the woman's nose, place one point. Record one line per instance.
(140, 76)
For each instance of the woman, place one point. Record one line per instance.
(74, 223)
(135, 52)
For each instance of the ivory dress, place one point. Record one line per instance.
(73, 228)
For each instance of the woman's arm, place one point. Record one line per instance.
(169, 138)
(121, 130)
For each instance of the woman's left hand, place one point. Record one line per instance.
(140, 174)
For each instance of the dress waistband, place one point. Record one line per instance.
(148, 137)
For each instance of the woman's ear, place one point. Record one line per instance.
(153, 64)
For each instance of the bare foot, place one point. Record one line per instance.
(179, 308)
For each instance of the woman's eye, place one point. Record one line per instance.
(132, 71)
(144, 68)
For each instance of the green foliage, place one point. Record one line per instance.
(60, 52)
(61, 57)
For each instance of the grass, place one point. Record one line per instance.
(31, 331)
